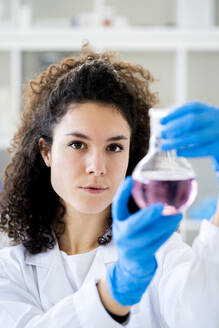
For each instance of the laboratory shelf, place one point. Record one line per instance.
(128, 39)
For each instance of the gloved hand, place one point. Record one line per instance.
(193, 130)
(137, 237)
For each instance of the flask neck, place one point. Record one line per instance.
(154, 147)
(155, 128)
(154, 143)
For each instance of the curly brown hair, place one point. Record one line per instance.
(30, 210)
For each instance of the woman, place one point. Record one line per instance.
(84, 127)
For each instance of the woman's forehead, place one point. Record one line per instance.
(93, 118)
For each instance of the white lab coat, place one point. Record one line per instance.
(35, 292)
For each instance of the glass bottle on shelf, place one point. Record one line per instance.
(163, 177)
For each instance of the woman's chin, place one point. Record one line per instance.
(91, 208)
(91, 211)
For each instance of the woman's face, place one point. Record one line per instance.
(90, 148)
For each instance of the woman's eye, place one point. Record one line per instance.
(77, 145)
(115, 148)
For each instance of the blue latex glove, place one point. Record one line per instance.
(193, 130)
(137, 237)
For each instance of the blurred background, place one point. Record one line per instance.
(177, 40)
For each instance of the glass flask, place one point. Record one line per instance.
(163, 177)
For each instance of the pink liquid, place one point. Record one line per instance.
(176, 195)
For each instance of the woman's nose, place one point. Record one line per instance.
(96, 165)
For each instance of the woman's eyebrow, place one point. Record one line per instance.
(83, 136)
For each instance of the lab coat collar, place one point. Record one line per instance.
(50, 258)
(50, 269)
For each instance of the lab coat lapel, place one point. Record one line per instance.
(53, 284)
(105, 256)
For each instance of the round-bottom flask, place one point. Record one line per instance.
(162, 176)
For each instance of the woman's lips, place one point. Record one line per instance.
(93, 190)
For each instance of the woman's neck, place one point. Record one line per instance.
(82, 231)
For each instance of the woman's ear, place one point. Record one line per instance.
(45, 151)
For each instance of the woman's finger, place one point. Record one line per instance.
(187, 124)
(120, 201)
(197, 139)
(190, 107)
